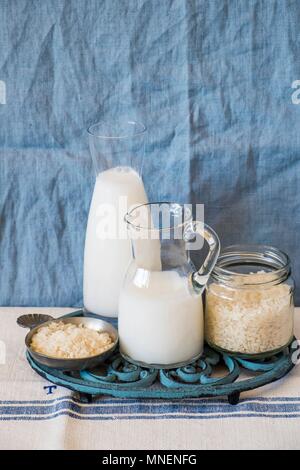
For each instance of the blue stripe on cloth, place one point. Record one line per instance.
(151, 409)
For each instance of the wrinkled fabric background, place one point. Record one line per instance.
(210, 78)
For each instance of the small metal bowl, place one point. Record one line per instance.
(34, 322)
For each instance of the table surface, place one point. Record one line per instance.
(35, 416)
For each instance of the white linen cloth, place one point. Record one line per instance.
(33, 418)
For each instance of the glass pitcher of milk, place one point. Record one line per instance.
(117, 152)
(160, 306)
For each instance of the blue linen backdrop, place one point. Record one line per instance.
(211, 79)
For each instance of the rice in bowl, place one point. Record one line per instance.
(70, 341)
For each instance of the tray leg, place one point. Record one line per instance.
(234, 398)
(85, 397)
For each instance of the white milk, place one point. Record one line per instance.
(106, 257)
(160, 320)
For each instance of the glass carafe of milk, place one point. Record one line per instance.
(117, 152)
(160, 308)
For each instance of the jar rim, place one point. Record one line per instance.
(262, 255)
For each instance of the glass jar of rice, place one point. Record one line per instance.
(249, 309)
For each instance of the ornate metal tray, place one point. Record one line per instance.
(212, 375)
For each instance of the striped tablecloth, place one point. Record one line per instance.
(35, 416)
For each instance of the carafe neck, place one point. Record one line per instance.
(117, 144)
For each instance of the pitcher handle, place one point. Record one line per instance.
(200, 277)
